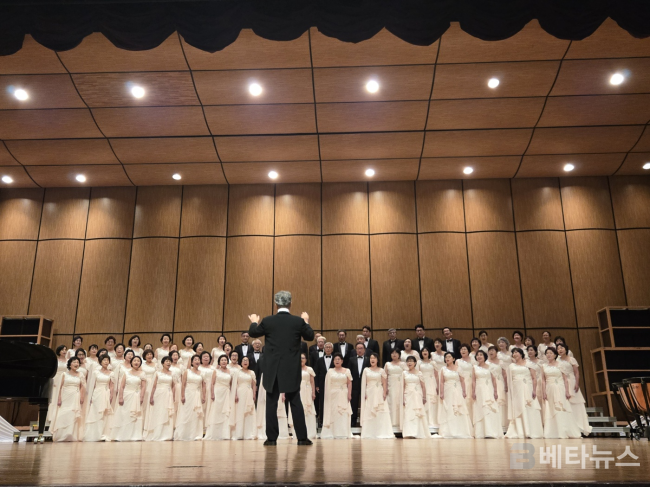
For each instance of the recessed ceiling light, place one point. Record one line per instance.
(370, 172)
(255, 89)
(137, 91)
(7, 179)
(646, 165)
(81, 178)
(468, 170)
(372, 86)
(273, 175)
(569, 167)
(21, 94)
(617, 79)
(176, 176)
(493, 82)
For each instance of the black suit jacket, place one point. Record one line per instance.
(456, 343)
(386, 350)
(428, 344)
(349, 350)
(255, 365)
(354, 370)
(321, 371)
(240, 354)
(313, 358)
(282, 348)
(373, 346)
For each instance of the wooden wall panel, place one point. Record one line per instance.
(249, 280)
(65, 213)
(16, 266)
(345, 208)
(545, 279)
(157, 211)
(152, 284)
(104, 279)
(440, 206)
(496, 297)
(635, 258)
(586, 203)
(56, 282)
(297, 209)
(392, 207)
(589, 340)
(297, 269)
(596, 273)
(205, 210)
(537, 204)
(631, 200)
(395, 283)
(20, 213)
(445, 281)
(488, 204)
(346, 281)
(251, 210)
(111, 213)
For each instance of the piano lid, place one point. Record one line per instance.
(22, 360)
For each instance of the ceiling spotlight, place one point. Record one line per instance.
(255, 89)
(569, 167)
(646, 166)
(176, 176)
(616, 79)
(370, 172)
(372, 86)
(493, 82)
(468, 170)
(137, 91)
(7, 179)
(21, 94)
(81, 178)
(273, 175)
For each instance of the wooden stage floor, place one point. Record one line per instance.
(335, 462)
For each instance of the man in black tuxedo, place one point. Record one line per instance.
(357, 364)
(420, 341)
(344, 348)
(391, 344)
(281, 365)
(371, 345)
(361, 339)
(323, 364)
(254, 357)
(450, 344)
(315, 345)
(244, 347)
(317, 352)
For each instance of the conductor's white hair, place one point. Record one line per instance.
(282, 298)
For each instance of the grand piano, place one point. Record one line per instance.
(25, 373)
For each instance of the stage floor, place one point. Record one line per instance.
(337, 462)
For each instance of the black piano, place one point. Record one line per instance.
(25, 373)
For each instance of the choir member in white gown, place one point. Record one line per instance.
(234, 363)
(307, 397)
(453, 416)
(475, 346)
(189, 419)
(524, 411)
(243, 421)
(501, 377)
(558, 415)
(164, 350)
(428, 369)
(177, 374)
(68, 423)
(375, 413)
(218, 350)
(207, 371)
(159, 423)
(198, 348)
(528, 341)
(127, 418)
(283, 420)
(188, 352)
(466, 370)
(149, 368)
(485, 344)
(109, 344)
(55, 382)
(394, 371)
(101, 390)
(217, 424)
(559, 340)
(134, 344)
(541, 348)
(77, 342)
(121, 366)
(149, 346)
(337, 411)
(569, 366)
(487, 415)
(409, 352)
(517, 340)
(536, 365)
(415, 422)
(504, 355)
(92, 358)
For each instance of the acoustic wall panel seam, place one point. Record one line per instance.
(514, 226)
(40, 221)
(225, 263)
(417, 235)
(618, 244)
(81, 269)
(178, 253)
(369, 255)
(469, 276)
(275, 202)
(128, 279)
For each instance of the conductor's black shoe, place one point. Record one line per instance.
(270, 443)
(305, 442)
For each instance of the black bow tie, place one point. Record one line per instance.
(450, 340)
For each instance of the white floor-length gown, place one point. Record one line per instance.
(415, 421)
(337, 411)
(537, 368)
(487, 414)
(497, 372)
(524, 412)
(149, 374)
(375, 413)
(243, 421)
(55, 383)
(127, 418)
(558, 416)
(453, 416)
(217, 423)
(159, 423)
(465, 369)
(428, 370)
(308, 405)
(100, 411)
(189, 418)
(395, 392)
(577, 400)
(68, 422)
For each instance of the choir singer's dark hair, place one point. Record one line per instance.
(135, 357)
(82, 351)
(337, 354)
(110, 337)
(147, 352)
(395, 350)
(531, 339)
(531, 346)
(165, 335)
(133, 338)
(366, 328)
(517, 332)
(482, 332)
(493, 347)
(519, 351)
(73, 359)
(482, 352)
(77, 337)
(186, 337)
(59, 348)
(205, 352)
(419, 325)
(93, 346)
(374, 354)
(451, 355)
(102, 357)
(552, 349)
(196, 345)
(562, 344)
(165, 359)
(411, 358)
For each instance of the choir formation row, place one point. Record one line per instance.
(128, 393)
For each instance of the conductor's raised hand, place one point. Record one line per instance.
(254, 318)
(305, 317)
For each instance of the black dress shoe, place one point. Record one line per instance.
(305, 442)
(270, 443)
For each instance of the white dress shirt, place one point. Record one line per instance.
(244, 349)
(392, 343)
(343, 347)
(257, 356)
(421, 342)
(360, 364)
(328, 362)
(450, 345)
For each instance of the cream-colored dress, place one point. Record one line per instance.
(100, 411)
(415, 421)
(307, 402)
(558, 416)
(177, 374)
(537, 368)
(216, 353)
(375, 413)
(189, 418)
(61, 368)
(466, 369)
(395, 392)
(414, 353)
(243, 421)
(206, 373)
(487, 414)
(453, 416)
(217, 423)
(159, 423)
(337, 411)
(149, 374)
(524, 412)
(127, 418)
(428, 370)
(137, 352)
(577, 400)
(497, 371)
(161, 353)
(186, 357)
(68, 422)
(283, 419)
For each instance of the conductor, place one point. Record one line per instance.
(281, 367)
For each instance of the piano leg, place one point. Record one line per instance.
(42, 416)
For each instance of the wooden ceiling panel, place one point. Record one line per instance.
(633, 165)
(64, 176)
(32, 58)
(382, 49)
(19, 175)
(463, 143)
(258, 172)
(396, 83)
(161, 174)
(396, 145)
(643, 145)
(114, 89)
(261, 119)
(252, 52)
(371, 116)
(62, 152)
(585, 165)
(576, 140)
(484, 113)
(45, 91)
(268, 148)
(385, 170)
(164, 150)
(484, 167)
(530, 43)
(591, 77)
(97, 54)
(47, 124)
(515, 79)
(596, 110)
(151, 121)
(6, 159)
(609, 41)
(231, 87)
